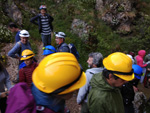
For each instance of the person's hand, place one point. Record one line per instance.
(135, 89)
(148, 69)
(3, 94)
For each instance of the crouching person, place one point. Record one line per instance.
(104, 96)
(25, 73)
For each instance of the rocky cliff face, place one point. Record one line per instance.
(117, 13)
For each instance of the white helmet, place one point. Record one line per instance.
(131, 58)
(60, 34)
(24, 33)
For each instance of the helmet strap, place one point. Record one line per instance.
(57, 91)
(122, 73)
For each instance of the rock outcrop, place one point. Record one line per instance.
(81, 28)
(118, 14)
(14, 13)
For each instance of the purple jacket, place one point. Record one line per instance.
(20, 100)
(140, 57)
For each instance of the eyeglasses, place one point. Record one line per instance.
(49, 49)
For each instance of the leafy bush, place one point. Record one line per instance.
(5, 34)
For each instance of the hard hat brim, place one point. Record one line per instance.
(126, 77)
(24, 36)
(138, 77)
(26, 57)
(72, 88)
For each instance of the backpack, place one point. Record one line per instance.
(139, 102)
(73, 50)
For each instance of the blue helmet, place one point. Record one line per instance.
(49, 50)
(137, 71)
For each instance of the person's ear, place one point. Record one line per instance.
(110, 75)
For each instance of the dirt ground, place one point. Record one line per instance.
(12, 68)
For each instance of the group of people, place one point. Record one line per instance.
(108, 89)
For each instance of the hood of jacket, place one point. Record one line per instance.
(142, 53)
(99, 81)
(95, 70)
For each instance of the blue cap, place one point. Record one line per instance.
(49, 50)
(137, 71)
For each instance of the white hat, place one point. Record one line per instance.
(24, 33)
(131, 58)
(60, 34)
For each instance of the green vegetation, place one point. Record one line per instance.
(101, 38)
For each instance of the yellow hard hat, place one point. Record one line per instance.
(59, 73)
(26, 54)
(120, 65)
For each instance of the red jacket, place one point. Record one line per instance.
(140, 57)
(25, 74)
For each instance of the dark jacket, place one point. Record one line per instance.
(104, 98)
(127, 92)
(63, 47)
(37, 21)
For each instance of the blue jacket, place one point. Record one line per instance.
(17, 37)
(63, 47)
(47, 100)
(18, 48)
(37, 21)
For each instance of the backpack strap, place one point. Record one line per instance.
(20, 47)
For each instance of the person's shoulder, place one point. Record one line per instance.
(64, 45)
(22, 69)
(17, 44)
(90, 71)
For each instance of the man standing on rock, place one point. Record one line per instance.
(95, 64)
(44, 21)
(105, 96)
(14, 29)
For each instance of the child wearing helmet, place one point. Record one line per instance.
(44, 21)
(25, 73)
(47, 50)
